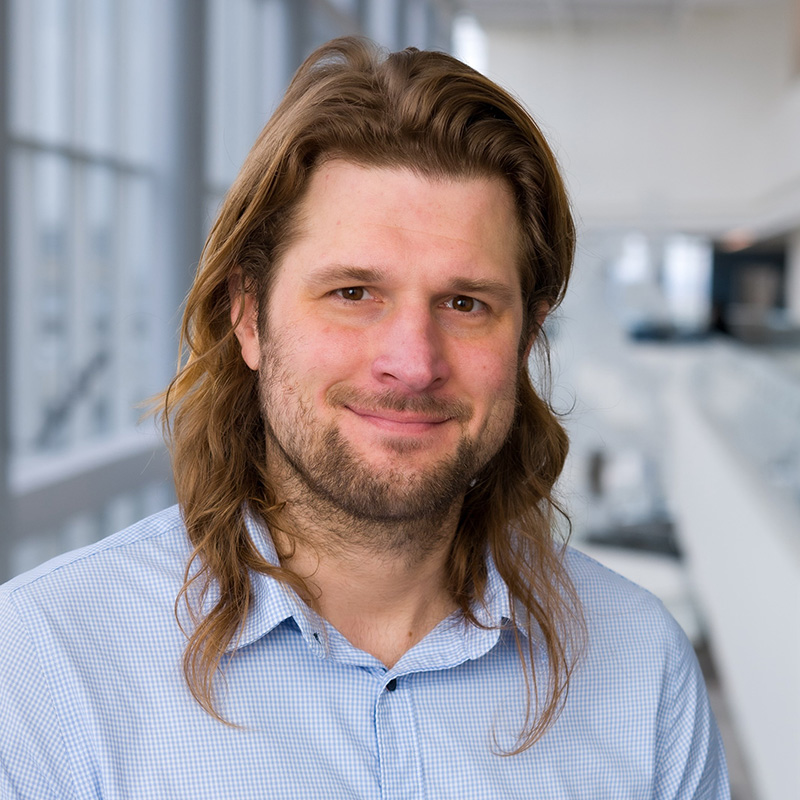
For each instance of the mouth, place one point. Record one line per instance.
(402, 422)
(398, 415)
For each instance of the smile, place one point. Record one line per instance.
(407, 422)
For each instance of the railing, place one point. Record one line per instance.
(754, 401)
(57, 503)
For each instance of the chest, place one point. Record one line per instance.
(308, 727)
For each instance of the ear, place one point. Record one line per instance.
(244, 318)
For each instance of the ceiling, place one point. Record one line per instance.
(593, 12)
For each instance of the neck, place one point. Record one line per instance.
(382, 584)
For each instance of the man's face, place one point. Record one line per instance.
(388, 368)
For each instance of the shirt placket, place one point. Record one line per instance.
(398, 742)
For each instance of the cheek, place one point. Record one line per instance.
(489, 375)
(330, 355)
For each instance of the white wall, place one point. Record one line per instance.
(690, 126)
(743, 545)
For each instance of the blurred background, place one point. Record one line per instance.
(676, 357)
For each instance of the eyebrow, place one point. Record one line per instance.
(348, 275)
(345, 275)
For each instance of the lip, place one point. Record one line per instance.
(399, 421)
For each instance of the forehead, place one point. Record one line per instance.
(364, 213)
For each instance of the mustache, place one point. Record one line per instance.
(390, 400)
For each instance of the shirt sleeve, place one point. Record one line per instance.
(690, 758)
(33, 758)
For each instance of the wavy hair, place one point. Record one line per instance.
(417, 110)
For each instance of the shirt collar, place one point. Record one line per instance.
(274, 602)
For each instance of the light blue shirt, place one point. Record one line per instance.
(93, 702)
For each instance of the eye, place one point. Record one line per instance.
(353, 293)
(466, 304)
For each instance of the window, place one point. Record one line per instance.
(127, 120)
(84, 282)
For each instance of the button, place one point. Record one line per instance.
(392, 685)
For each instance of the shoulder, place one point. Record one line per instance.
(631, 640)
(106, 609)
(150, 555)
(639, 683)
(597, 582)
(74, 628)
(611, 601)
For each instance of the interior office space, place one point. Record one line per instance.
(676, 123)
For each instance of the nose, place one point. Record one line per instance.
(411, 353)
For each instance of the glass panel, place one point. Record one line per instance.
(142, 346)
(94, 310)
(98, 78)
(52, 75)
(381, 21)
(323, 25)
(345, 6)
(440, 27)
(275, 68)
(246, 76)
(49, 303)
(89, 330)
(217, 167)
(213, 205)
(68, 278)
(24, 325)
(416, 28)
(139, 26)
(20, 84)
(227, 96)
(470, 43)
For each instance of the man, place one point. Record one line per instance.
(361, 593)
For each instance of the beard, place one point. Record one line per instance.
(316, 462)
(330, 468)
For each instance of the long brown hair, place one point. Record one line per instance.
(427, 112)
